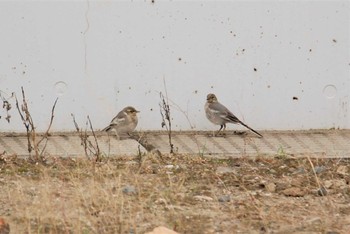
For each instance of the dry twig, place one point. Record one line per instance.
(97, 149)
(46, 134)
(89, 147)
(28, 123)
(6, 105)
(165, 113)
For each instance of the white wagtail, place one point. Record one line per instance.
(125, 122)
(218, 114)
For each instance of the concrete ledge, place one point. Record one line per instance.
(70, 145)
(314, 143)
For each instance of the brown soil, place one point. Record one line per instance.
(186, 193)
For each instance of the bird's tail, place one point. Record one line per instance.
(250, 128)
(106, 129)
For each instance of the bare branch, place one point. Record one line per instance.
(26, 125)
(75, 123)
(97, 153)
(6, 105)
(166, 118)
(89, 148)
(46, 134)
(81, 135)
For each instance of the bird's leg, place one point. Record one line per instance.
(217, 133)
(223, 130)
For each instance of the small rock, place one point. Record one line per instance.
(335, 184)
(319, 169)
(342, 170)
(161, 201)
(170, 166)
(300, 170)
(130, 190)
(322, 191)
(202, 198)
(294, 192)
(180, 196)
(314, 221)
(339, 184)
(177, 208)
(224, 170)
(332, 232)
(328, 184)
(50, 161)
(224, 198)
(270, 187)
(297, 182)
(281, 185)
(161, 230)
(4, 227)
(272, 171)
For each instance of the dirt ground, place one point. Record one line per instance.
(186, 193)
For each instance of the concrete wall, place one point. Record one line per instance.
(275, 65)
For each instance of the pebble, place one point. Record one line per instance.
(270, 187)
(314, 221)
(335, 184)
(300, 170)
(281, 185)
(297, 182)
(342, 170)
(224, 170)
(170, 166)
(50, 161)
(272, 171)
(203, 198)
(130, 190)
(224, 198)
(161, 230)
(294, 192)
(328, 184)
(160, 201)
(339, 184)
(319, 169)
(322, 191)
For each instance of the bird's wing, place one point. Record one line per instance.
(120, 118)
(233, 118)
(221, 110)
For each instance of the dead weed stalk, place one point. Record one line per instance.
(26, 117)
(89, 147)
(6, 105)
(166, 118)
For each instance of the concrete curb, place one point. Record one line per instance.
(314, 143)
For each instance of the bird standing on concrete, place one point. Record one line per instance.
(218, 114)
(125, 122)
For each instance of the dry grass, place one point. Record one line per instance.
(82, 196)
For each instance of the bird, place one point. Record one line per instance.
(124, 122)
(218, 114)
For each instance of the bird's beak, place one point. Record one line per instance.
(137, 111)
